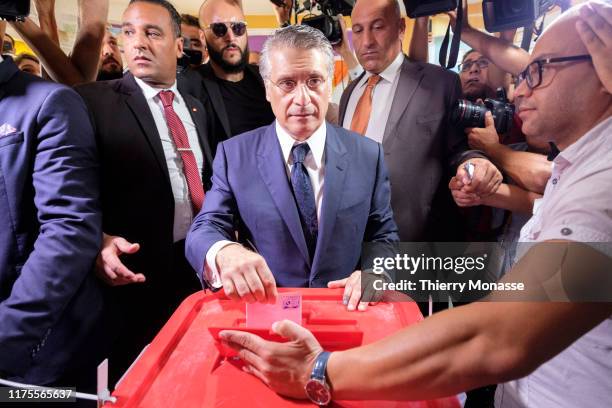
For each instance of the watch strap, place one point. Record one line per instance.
(320, 365)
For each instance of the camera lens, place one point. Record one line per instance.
(468, 114)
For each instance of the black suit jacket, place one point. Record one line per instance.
(138, 204)
(422, 151)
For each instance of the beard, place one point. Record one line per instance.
(107, 75)
(230, 68)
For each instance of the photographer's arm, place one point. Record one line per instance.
(507, 57)
(82, 65)
(418, 50)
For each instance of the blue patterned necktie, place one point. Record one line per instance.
(304, 196)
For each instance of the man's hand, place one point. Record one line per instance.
(462, 199)
(483, 138)
(486, 178)
(284, 367)
(245, 275)
(283, 13)
(595, 30)
(352, 291)
(109, 267)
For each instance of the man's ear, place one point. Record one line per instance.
(179, 47)
(267, 86)
(402, 27)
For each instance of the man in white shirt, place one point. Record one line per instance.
(301, 192)
(156, 164)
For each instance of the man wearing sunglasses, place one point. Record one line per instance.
(558, 352)
(233, 88)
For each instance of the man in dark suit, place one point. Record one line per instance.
(155, 159)
(304, 193)
(406, 106)
(50, 234)
(228, 84)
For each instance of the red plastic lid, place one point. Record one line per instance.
(184, 366)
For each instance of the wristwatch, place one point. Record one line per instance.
(316, 388)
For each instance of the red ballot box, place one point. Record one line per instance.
(185, 366)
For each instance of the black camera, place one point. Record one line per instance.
(421, 8)
(12, 10)
(327, 22)
(500, 15)
(467, 114)
(328, 25)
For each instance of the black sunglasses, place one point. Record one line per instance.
(533, 73)
(220, 29)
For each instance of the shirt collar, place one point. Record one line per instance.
(316, 142)
(1, 59)
(586, 146)
(390, 73)
(150, 92)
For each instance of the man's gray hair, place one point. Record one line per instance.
(302, 37)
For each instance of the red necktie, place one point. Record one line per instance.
(179, 136)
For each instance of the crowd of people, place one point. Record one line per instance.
(133, 176)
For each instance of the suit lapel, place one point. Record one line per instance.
(273, 172)
(409, 80)
(139, 107)
(335, 173)
(346, 95)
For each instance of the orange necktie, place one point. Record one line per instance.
(361, 117)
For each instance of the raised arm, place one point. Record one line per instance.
(82, 65)
(418, 50)
(504, 54)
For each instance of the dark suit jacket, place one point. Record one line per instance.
(201, 83)
(422, 151)
(138, 203)
(251, 188)
(50, 230)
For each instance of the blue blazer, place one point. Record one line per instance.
(50, 230)
(252, 194)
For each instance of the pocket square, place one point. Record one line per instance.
(6, 130)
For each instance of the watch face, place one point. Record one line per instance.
(318, 392)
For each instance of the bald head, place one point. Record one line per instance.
(378, 29)
(561, 38)
(224, 10)
(570, 99)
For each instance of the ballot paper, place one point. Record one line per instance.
(288, 306)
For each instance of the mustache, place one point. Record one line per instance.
(109, 59)
(307, 110)
(231, 45)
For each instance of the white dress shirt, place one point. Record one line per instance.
(183, 211)
(576, 206)
(382, 99)
(315, 166)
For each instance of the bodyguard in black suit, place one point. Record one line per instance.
(152, 180)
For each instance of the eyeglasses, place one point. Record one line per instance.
(220, 29)
(467, 65)
(289, 85)
(533, 72)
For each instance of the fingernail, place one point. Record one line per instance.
(362, 307)
(351, 307)
(345, 300)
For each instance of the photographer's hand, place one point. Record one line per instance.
(484, 138)
(283, 13)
